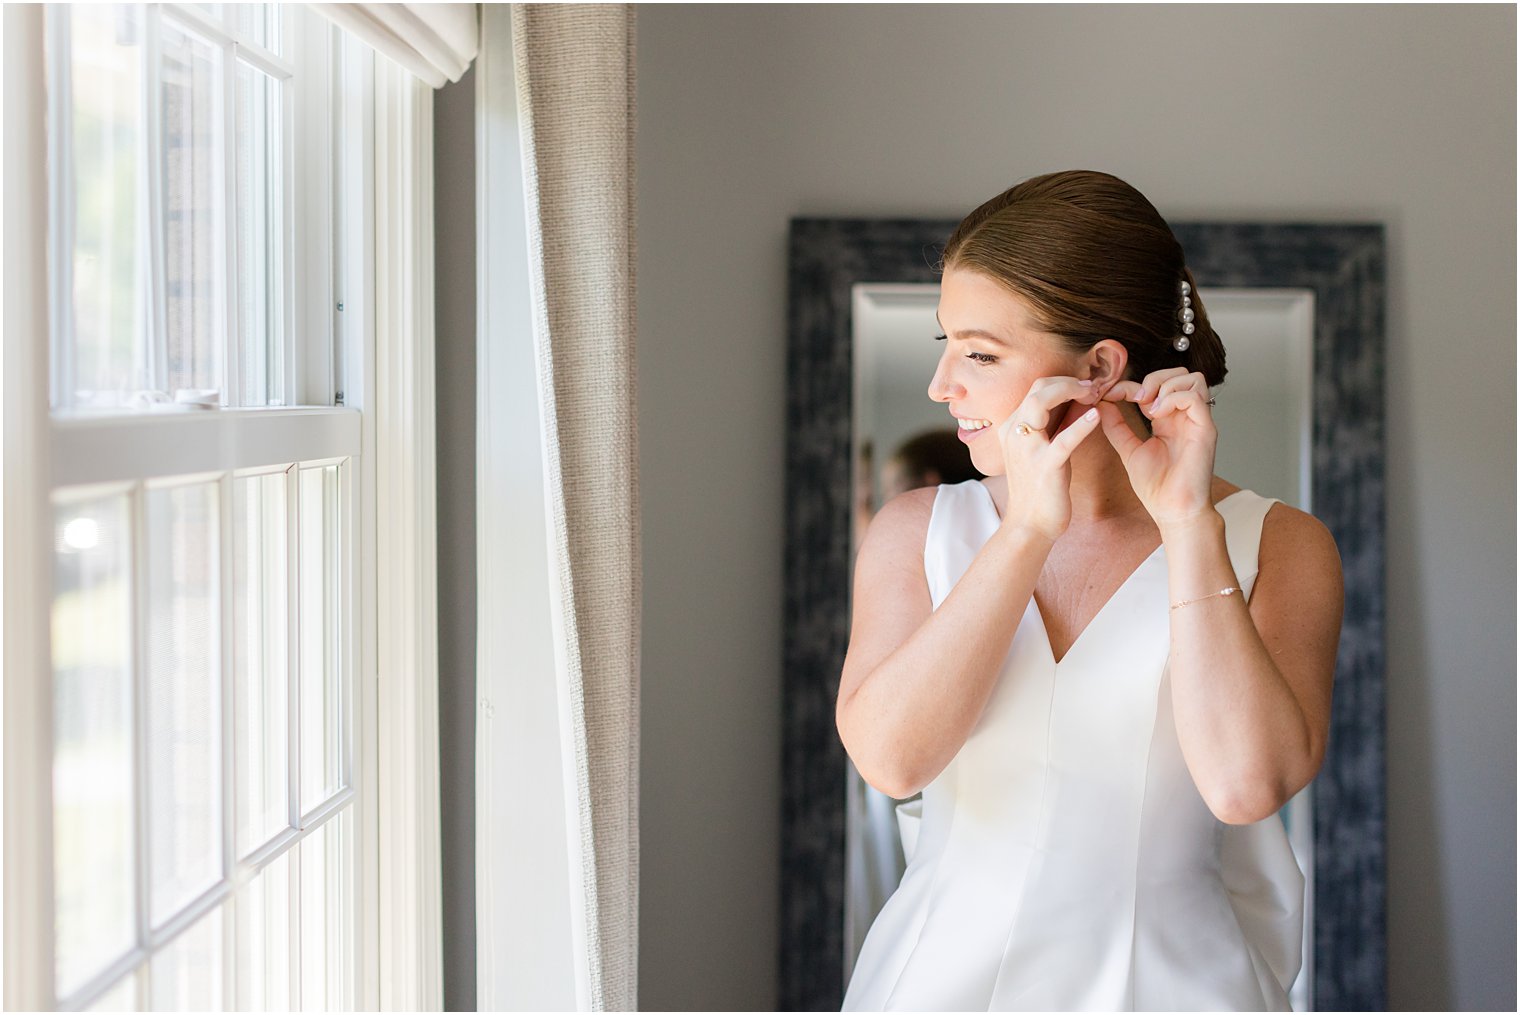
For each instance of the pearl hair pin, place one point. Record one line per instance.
(1185, 315)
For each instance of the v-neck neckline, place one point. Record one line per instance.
(1039, 614)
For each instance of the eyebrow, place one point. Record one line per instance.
(971, 333)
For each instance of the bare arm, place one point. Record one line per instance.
(916, 680)
(1251, 685)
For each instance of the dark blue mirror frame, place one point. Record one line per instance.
(1344, 265)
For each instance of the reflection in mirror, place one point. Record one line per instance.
(902, 440)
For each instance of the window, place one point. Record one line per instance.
(172, 135)
(205, 499)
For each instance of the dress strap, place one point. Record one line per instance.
(1244, 512)
(963, 519)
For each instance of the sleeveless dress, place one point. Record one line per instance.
(1064, 859)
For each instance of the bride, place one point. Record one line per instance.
(1105, 667)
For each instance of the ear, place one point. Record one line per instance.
(1106, 362)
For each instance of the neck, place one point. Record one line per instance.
(1100, 487)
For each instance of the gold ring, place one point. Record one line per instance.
(1023, 429)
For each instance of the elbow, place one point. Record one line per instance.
(1245, 805)
(880, 770)
(897, 785)
(1246, 800)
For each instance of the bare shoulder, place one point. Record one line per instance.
(1300, 593)
(1291, 538)
(898, 530)
(891, 591)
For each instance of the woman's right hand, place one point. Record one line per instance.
(1038, 468)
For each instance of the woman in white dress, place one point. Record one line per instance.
(1105, 667)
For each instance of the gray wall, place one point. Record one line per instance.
(751, 115)
(454, 383)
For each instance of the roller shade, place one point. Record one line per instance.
(436, 42)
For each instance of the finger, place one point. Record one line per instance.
(1156, 378)
(1006, 430)
(1188, 402)
(1081, 428)
(1117, 430)
(1048, 392)
(1067, 414)
(1193, 381)
(1123, 391)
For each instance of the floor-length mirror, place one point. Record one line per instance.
(1300, 418)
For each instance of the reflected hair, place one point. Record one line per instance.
(1095, 260)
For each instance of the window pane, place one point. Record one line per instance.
(264, 940)
(122, 997)
(184, 695)
(321, 658)
(187, 973)
(258, 23)
(103, 200)
(193, 192)
(260, 200)
(261, 550)
(327, 915)
(93, 758)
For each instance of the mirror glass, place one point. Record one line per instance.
(902, 439)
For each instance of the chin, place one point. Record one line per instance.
(988, 468)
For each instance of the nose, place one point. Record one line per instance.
(942, 388)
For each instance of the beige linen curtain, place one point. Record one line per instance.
(575, 84)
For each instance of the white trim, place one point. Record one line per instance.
(524, 949)
(354, 354)
(104, 450)
(25, 518)
(61, 202)
(411, 876)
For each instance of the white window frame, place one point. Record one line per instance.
(385, 431)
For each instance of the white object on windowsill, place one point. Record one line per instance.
(185, 400)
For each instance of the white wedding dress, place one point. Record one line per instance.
(1064, 860)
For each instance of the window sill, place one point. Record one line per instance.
(95, 447)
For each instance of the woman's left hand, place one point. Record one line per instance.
(1173, 471)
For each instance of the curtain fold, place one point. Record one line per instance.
(436, 42)
(575, 81)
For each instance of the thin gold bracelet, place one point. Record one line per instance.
(1211, 595)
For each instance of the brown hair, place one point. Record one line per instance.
(1095, 260)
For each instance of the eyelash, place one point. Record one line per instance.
(982, 358)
